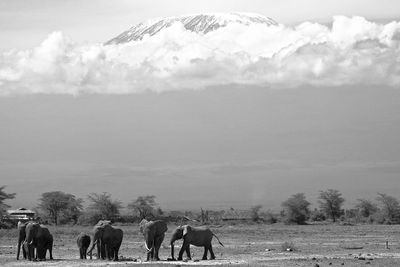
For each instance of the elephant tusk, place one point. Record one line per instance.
(145, 244)
(30, 243)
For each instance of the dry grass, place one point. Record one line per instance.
(245, 245)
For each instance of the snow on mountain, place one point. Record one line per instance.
(199, 23)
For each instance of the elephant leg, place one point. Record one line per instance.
(157, 244)
(111, 253)
(181, 251)
(211, 252)
(81, 253)
(39, 253)
(116, 254)
(156, 254)
(98, 250)
(205, 253)
(51, 250)
(150, 254)
(103, 251)
(188, 252)
(107, 252)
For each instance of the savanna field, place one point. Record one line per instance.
(244, 245)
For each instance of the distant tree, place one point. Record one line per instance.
(296, 209)
(255, 212)
(330, 203)
(204, 217)
(366, 207)
(3, 197)
(390, 208)
(145, 207)
(102, 206)
(58, 204)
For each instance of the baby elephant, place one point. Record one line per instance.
(83, 242)
(197, 236)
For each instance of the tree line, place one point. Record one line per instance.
(58, 207)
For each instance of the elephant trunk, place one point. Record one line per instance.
(89, 253)
(172, 242)
(18, 249)
(147, 246)
(172, 250)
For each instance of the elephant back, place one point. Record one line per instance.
(161, 227)
(45, 231)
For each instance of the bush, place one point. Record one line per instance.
(296, 209)
(269, 218)
(317, 216)
(6, 225)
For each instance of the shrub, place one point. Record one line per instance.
(296, 209)
(269, 218)
(317, 216)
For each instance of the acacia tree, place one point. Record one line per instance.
(390, 208)
(103, 206)
(366, 207)
(57, 204)
(3, 197)
(330, 203)
(296, 209)
(145, 207)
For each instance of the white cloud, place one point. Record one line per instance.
(352, 51)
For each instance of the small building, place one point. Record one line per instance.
(237, 215)
(20, 214)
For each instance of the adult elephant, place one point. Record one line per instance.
(38, 237)
(109, 237)
(153, 232)
(197, 236)
(21, 238)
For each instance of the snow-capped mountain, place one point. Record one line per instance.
(199, 23)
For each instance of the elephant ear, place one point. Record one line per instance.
(186, 229)
(161, 227)
(142, 225)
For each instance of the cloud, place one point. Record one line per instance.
(352, 51)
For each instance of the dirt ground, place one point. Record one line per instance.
(245, 245)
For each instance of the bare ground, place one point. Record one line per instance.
(245, 245)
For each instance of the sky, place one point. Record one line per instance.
(26, 23)
(245, 115)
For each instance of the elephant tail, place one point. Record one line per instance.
(218, 240)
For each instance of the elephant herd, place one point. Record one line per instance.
(35, 240)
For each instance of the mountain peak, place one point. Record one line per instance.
(199, 23)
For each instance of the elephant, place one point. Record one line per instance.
(197, 236)
(83, 242)
(153, 232)
(105, 235)
(39, 237)
(21, 238)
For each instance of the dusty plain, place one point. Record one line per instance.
(245, 245)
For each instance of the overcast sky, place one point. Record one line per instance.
(25, 23)
(245, 114)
